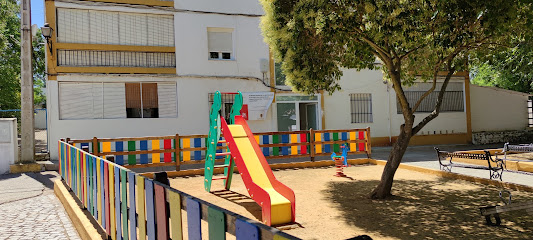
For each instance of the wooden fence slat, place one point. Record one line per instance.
(275, 150)
(285, 150)
(294, 149)
(156, 157)
(336, 147)
(119, 147)
(353, 145)
(186, 154)
(143, 146)
(194, 217)
(303, 139)
(161, 212)
(327, 147)
(197, 154)
(112, 196)
(101, 199)
(266, 150)
(318, 147)
(167, 144)
(150, 210)
(245, 230)
(361, 145)
(118, 212)
(124, 203)
(217, 224)
(174, 201)
(107, 210)
(132, 212)
(96, 196)
(88, 162)
(132, 158)
(141, 208)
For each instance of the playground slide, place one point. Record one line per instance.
(276, 200)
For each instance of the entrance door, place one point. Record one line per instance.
(296, 116)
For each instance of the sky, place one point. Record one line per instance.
(37, 12)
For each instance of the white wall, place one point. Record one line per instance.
(193, 110)
(495, 109)
(40, 119)
(8, 143)
(192, 52)
(226, 6)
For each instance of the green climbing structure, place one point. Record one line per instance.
(213, 140)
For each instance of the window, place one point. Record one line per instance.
(227, 104)
(108, 27)
(141, 100)
(453, 100)
(117, 100)
(361, 107)
(94, 58)
(220, 43)
(278, 74)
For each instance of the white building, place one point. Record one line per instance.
(130, 68)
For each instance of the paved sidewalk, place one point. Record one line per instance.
(425, 156)
(30, 210)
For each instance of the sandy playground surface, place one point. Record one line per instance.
(424, 207)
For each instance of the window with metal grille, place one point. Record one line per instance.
(97, 100)
(120, 28)
(220, 43)
(361, 107)
(227, 103)
(453, 100)
(90, 58)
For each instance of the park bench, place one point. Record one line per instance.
(520, 148)
(495, 211)
(495, 166)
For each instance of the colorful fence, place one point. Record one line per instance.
(163, 151)
(130, 206)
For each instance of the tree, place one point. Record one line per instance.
(510, 69)
(413, 39)
(10, 59)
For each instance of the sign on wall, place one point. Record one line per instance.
(257, 104)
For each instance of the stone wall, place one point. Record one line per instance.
(524, 136)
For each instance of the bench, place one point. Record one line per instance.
(495, 166)
(520, 148)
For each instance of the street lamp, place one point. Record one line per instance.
(46, 30)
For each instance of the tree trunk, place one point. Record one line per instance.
(383, 190)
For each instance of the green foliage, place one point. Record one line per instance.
(315, 39)
(511, 69)
(10, 58)
(9, 55)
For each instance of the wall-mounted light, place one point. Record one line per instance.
(47, 31)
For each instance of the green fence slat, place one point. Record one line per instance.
(336, 147)
(217, 224)
(132, 159)
(275, 150)
(124, 201)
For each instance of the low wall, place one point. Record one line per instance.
(480, 138)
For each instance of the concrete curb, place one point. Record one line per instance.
(27, 167)
(85, 227)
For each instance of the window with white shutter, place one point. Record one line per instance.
(220, 43)
(168, 104)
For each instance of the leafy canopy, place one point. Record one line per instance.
(316, 39)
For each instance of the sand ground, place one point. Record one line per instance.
(424, 207)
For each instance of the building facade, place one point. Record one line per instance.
(130, 68)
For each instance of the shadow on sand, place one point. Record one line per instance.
(443, 209)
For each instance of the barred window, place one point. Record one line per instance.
(361, 107)
(93, 58)
(227, 104)
(453, 100)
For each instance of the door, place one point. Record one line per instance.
(287, 117)
(308, 116)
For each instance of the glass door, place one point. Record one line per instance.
(287, 117)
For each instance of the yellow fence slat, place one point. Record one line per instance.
(106, 147)
(112, 201)
(141, 212)
(84, 177)
(186, 154)
(156, 157)
(78, 173)
(294, 149)
(318, 147)
(256, 138)
(174, 200)
(353, 136)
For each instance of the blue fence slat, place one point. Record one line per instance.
(194, 218)
(219, 151)
(344, 136)
(90, 183)
(327, 147)
(197, 144)
(132, 217)
(245, 230)
(143, 145)
(119, 147)
(117, 203)
(84, 145)
(150, 210)
(95, 188)
(285, 150)
(266, 150)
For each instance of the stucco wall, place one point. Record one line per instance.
(226, 6)
(193, 110)
(496, 109)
